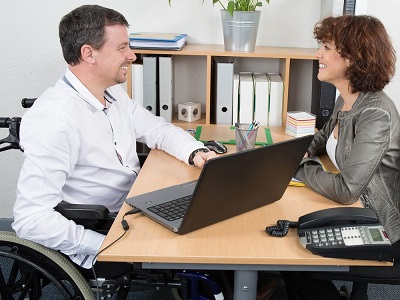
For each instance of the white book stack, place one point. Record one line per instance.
(300, 123)
(157, 40)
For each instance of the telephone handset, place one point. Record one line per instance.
(344, 215)
(345, 232)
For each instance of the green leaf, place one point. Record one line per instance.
(239, 5)
(231, 7)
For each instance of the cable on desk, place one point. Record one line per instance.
(125, 226)
(281, 228)
(124, 223)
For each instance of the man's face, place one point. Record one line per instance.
(115, 57)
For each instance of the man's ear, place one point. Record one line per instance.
(87, 53)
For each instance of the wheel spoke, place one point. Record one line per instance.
(4, 293)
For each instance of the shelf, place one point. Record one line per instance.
(218, 50)
(282, 56)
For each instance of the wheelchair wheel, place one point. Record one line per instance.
(32, 271)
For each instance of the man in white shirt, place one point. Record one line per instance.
(79, 138)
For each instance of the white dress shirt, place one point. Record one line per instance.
(79, 151)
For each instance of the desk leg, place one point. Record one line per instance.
(245, 285)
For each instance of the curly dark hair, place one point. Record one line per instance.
(364, 41)
(86, 25)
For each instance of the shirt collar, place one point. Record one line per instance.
(85, 94)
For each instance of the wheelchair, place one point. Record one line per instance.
(31, 271)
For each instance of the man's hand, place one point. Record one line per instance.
(201, 157)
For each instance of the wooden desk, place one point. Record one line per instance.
(239, 243)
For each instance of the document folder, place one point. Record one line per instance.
(223, 69)
(150, 88)
(157, 40)
(137, 83)
(165, 68)
(246, 102)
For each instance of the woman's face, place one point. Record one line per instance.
(332, 67)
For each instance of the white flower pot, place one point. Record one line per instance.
(240, 30)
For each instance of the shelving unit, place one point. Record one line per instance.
(283, 60)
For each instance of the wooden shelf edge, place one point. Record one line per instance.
(218, 50)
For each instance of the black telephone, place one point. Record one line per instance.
(345, 232)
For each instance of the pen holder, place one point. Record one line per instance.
(245, 136)
(189, 111)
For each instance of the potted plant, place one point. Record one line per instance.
(240, 5)
(240, 21)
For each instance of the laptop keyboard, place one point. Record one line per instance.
(171, 210)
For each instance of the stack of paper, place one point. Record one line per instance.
(157, 40)
(300, 123)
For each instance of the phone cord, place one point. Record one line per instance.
(281, 228)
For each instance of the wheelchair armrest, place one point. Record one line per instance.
(82, 211)
(94, 217)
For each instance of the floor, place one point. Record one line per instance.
(375, 291)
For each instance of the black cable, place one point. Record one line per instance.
(125, 226)
(124, 223)
(281, 228)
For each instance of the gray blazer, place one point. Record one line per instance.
(368, 156)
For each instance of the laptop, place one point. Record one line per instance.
(227, 186)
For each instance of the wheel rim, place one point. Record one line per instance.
(34, 271)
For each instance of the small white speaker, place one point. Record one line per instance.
(189, 111)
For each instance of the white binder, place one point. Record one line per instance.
(235, 99)
(165, 68)
(224, 90)
(246, 102)
(275, 100)
(150, 86)
(261, 90)
(137, 83)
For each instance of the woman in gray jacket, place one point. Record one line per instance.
(362, 137)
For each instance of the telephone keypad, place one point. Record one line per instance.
(338, 236)
(325, 237)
